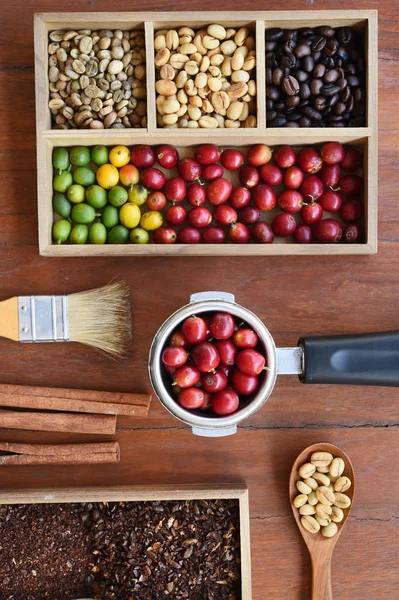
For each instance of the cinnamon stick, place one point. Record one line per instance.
(84, 459)
(84, 401)
(60, 449)
(62, 422)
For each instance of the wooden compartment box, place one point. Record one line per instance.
(187, 139)
(151, 493)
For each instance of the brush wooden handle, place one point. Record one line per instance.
(9, 322)
(63, 422)
(81, 401)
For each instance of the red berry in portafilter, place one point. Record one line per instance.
(227, 352)
(191, 398)
(221, 326)
(194, 329)
(225, 402)
(250, 362)
(174, 356)
(205, 357)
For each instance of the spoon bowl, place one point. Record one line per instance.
(320, 548)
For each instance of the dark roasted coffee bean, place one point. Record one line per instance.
(350, 104)
(342, 83)
(293, 101)
(306, 32)
(319, 71)
(329, 62)
(295, 115)
(301, 76)
(339, 108)
(339, 124)
(291, 124)
(304, 102)
(273, 92)
(338, 61)
(278, 122)
(341, 73)
(305, 122)
(315, 86)
(302, 50)
(320, 103)
(271, 61)
(269, 104)
(350, 69)
(326, 31)
(274, 34)
(269, 45)
(358, 94)
(344, 34)
(290, 34)
(329, 89)
(331, 76)
(319, 43)
(334, 118)
(307, 64)
(280, 106)
(332, 101)
(316, 55)
(271, 114)
(288, 61)
(344, 94)
(277, 76)
(304, 91)
(330, 48)
(353, 81)
(289, 46)
(290, 86)
(311, 113)
(326, 111)
(343, 54)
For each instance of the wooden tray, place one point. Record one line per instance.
(48, 138)
(152, 493)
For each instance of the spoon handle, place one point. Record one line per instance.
(321, 576)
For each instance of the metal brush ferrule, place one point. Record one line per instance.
(43, 318)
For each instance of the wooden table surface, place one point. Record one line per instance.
(293, 296)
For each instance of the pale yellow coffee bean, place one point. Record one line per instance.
(321, 459)
(237, 61)
(214, 84)
(216, 31)
(215, 71)
(204, 65)
(186, 31)
(53, 74)
(182, 110)
(220, 101)
(182, 97)
(303, 488)
(245, 111)
(194, 112)
(56, 104)
(181, 79)
(323, 469)
(178, 60)
(329, 530)
(323, 510)
(337, 514)
(234, 112)
(201, 80)
(321, 478)
(166, 72)
(115, 67)
(312, 499)
(195, 101)
(237, 90)
(226, 85)
(307, 509)
(252, 87)
(197, 58)
(226, 66)
(162, 57)
(342, 484)
(237, 76)
(241, 36)
(310, 481)
(325, 495)
(216, 60)
(206, 106)
(166, 87)
(232, 124)
(337, 467)
(230, 32)
(160, 42)
(342, 500)
(306, 470)
(310, 524)
(170, 106)
(207, 122)
(249, 63)
(185, 39)
(172, 39)
(323, 522)
(209, 42)
(300, 500)
(191, 67)
(170, 119)
(190, 88)
(188, 48)
(228, 47)
(192, 124)
(242, 50)
(220, 120)
(200, 46)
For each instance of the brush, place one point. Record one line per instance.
(99, 318)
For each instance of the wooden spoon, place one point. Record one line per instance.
(320, 548)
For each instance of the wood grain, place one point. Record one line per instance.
(293, 295)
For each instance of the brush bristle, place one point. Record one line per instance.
(102, 318)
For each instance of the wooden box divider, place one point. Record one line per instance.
(48, 138)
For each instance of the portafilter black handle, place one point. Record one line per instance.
(360, 359)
